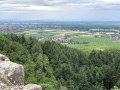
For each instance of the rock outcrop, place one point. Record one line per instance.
(32, 87)
(12, 76)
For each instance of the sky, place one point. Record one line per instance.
(60, 10)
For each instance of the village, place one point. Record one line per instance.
(112, 35)
(62, 40)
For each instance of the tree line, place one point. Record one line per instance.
(57, 67)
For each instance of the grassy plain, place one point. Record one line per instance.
(92, 42)
(96, 43)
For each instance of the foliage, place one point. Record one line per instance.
(57, 67)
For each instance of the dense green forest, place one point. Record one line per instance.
(57, 67)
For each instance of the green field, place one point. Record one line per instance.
(50, 33)
(88, 41)
(96, 43)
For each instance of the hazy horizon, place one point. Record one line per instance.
(60, 10)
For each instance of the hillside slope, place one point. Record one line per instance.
(58, 67)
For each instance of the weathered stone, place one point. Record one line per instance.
(12, 76)
(4, 78)
(13, 72)
(5, 87)
(3, 58)
(32, 87)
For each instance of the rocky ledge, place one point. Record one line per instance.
(12, 76)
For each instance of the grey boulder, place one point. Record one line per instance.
(12, 76)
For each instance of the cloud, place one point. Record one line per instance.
(14, 5)
(29, 5)
(24, 7)
(111, 1)
(60, 9)
(51, 4)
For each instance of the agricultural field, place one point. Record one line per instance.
(83, 40)
(81, 35)
(52, 33)
(95, 43)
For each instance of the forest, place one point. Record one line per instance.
(58, 67)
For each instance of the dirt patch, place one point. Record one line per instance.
(87, 35)
(83, 32)
(25, 31)
(49, 30)
(60, 35)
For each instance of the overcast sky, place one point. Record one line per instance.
(63, 10)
